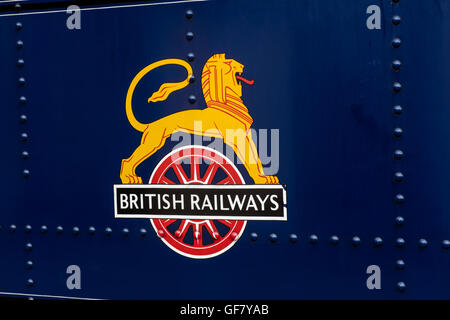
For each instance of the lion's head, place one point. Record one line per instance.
(222, 77)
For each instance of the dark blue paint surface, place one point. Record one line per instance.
(321, 77)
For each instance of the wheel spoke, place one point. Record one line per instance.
(183, 229)
(212, 230)
(228, 223)
(227, 180)
(195, 168)
(198, 236)
(210, 172)
(168, 222)
(166, 180)
(179, 171)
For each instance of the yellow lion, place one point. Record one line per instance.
(224, 117)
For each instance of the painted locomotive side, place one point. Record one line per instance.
(218, 149)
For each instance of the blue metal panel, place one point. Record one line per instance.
(321, 77)
(425, 97)
(14, 260)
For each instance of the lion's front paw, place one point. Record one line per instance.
(130, 179)
(128, 176)
(267, 180)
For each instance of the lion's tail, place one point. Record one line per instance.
(164, 91)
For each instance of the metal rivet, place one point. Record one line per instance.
(19, 25)
(192, 99)
(12, 228)
(108, 231)
(190, 57)
(191, 79)
(234, 236)
(22, 81)
(445, 244)
(25, 155)
(400, 242)
(189, 35)
(400, 264)
(396, 65)
(399, 198)
(161, 234)
(189, 14)
(396, 20)
(178, 233)
(125, 232)
(23, 118)
(397, 86)
(356, 241)
(44, 229)
(28, 228)
(423, 243)
(396, 43)
(20, 62)
(91, 230)
(398, 176)
(59, 229)
(23, 100)
(75, 230)
(401, 286)
(29, 264)
(273, 237)
(398, 132)
(23, 137)
(28, 246)
(334, 240)
(26, 173)
(253, 236)
(293, 238)
(398, 154)
(378, 242)
(313, 239)
(30, 282)
(397, 110)
(399, 221)
(19, 44)
(143, 232)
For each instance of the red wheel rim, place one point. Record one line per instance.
(174, 232)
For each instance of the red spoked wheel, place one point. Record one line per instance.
(199, 239)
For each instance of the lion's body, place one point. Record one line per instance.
(224, 117)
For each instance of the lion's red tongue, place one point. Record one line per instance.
(249, 82)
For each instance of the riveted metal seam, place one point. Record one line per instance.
(397, 132)
(189, 15)
(22, 102)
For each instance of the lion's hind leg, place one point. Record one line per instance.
(155, 135)
(153, 138)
